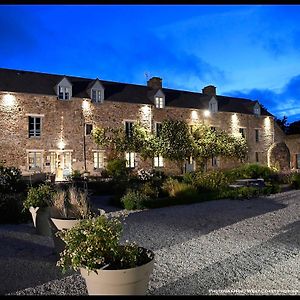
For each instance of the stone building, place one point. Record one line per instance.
(46, 121)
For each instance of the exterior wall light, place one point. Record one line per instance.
(9, 100)
(61, 145)
(194, 115)
(206, 113)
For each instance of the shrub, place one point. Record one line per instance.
(40, 196)
(149, 189)
(76, 175)
(134, 199)
(211, 181)
(10, 179)
(71, 203)
(296, 180)
(11, 209)
(239, 193)
(174, 188)
(116, 168)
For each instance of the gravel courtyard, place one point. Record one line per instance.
(222, 247)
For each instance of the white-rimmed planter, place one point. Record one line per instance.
(58, 224)
(132, 281)
(40, 218)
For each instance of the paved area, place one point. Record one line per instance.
(224, 247)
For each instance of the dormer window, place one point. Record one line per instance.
(213, 105)
(96, 96)
(64, 89)
(159, 102)
(64, 93)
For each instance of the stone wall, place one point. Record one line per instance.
(65, 119)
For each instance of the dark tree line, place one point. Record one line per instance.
(288, 128)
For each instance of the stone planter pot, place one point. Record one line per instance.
(133, 281)
(40, 218)
(58, 224)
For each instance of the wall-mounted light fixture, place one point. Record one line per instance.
(206, 113)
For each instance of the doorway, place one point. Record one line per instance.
(61, 164)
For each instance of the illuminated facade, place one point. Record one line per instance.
(46, 121)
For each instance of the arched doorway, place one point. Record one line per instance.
(279, 156)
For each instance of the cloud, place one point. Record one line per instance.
(283, 103)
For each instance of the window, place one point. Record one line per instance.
(96, 95)
(34, 125)
(88, 129)
(34, 160)
(242, 132)
(128, 128)
(158, 161)
(257, 110)
(130, 159)
(213, 105)
(257, 135)
(214, 161)
(158, 127)
(98, 159)
(256, 157)
(63, 93)
(159, 102)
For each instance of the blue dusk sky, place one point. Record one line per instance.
(250, 51)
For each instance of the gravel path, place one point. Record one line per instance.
(218, 247)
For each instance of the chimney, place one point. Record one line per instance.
(209, 90)
(155, 83)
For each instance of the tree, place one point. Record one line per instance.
(283, 124)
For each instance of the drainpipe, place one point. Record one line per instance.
(84, 148)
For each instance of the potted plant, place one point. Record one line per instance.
(108, 267)
(68, 207)
(38, 201)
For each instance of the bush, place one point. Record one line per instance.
(116, 168)
(211, 181)
(240, 193)
(174, 188)
(11, 209)
(296, 180)
(149, 189)
(134, 200)
(253, 171)
(40, 196)
(10, 179)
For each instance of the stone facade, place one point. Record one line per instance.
(63, 120)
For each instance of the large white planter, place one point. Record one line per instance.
(133, 281)
(40, 218)
(57, 225)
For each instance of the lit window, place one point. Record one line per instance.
(34, 160)
(158, 127)
(98, 160)
(159, 102)
(257, 135)
(63, 93)
(158, 161)
(96, 96)
(130, 163)
(242, 132)
(128, 128)
(88, 129)
(34, 126)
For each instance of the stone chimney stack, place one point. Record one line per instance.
(209, 90)
(155, 83)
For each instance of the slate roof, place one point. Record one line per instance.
(43, 83)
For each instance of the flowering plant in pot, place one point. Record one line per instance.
(68, 207)
(38, 201)
(108, 267)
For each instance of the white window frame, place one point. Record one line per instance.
(98, 161)
(35, 133)
(64, 90)
(158, 161)
(130, 159)
(159, 102)
(35, 166)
